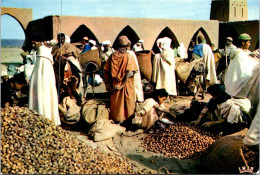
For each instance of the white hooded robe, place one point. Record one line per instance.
(43, 96)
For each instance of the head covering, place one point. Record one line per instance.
(67, 39)
(92, 42)
(106, 42)
(166, 43)
(52, 42)
(11, 70)
(229, 38)
(85, 38)
(11, 67)
(158, 42)
(123, 41)
(141, 41)
(244, 36)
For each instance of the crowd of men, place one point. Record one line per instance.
(58, 78)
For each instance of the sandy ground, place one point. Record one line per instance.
(128, 145)
(10, 56)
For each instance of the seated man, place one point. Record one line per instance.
(152, 109)
(224, 108)
(11, 91)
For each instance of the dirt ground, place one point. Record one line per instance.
(128, 145)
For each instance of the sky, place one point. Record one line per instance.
(174, 9)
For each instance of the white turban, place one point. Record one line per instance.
(106, 42)
(160, 40)
(166, 43)
(67, 39)
(92, 42)
(52, 42)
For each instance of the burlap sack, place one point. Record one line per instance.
(104, 129)
(145, 63)
(90, 56)
(225, 155)
(89, 113)
(69, 111)
(102, 112)
(183, 69)
(93, 111)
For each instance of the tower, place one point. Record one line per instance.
(229, 10)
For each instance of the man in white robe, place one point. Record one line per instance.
(164, 68)
(106, 51)
(208, 58)
(139, 94)
(182, 51)
(43, 96)
(242, 75)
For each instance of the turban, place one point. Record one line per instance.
(92, 42)
(123, 41)
(85, 38)
(159, 41)
(166, 43)
(106, 42)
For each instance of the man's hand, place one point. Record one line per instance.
(206, 124)
(196, 122)
(118, 87)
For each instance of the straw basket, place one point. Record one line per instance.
(145, 63)
(90, 56)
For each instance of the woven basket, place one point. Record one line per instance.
(90, 56)
(145, 63)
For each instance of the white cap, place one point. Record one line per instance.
(106, 42)
(141, 41)
(67, 39)
(52, 42)
(166, 43)
(92, 42)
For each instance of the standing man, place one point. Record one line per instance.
(182, 51)
(106, 51)
(163, 74)
(119, 73)
(66, 64)
(203, 51)
(43, 96)
(137, 78)
(242, 75)
(229, 47)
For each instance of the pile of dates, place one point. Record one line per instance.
(32, 144)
